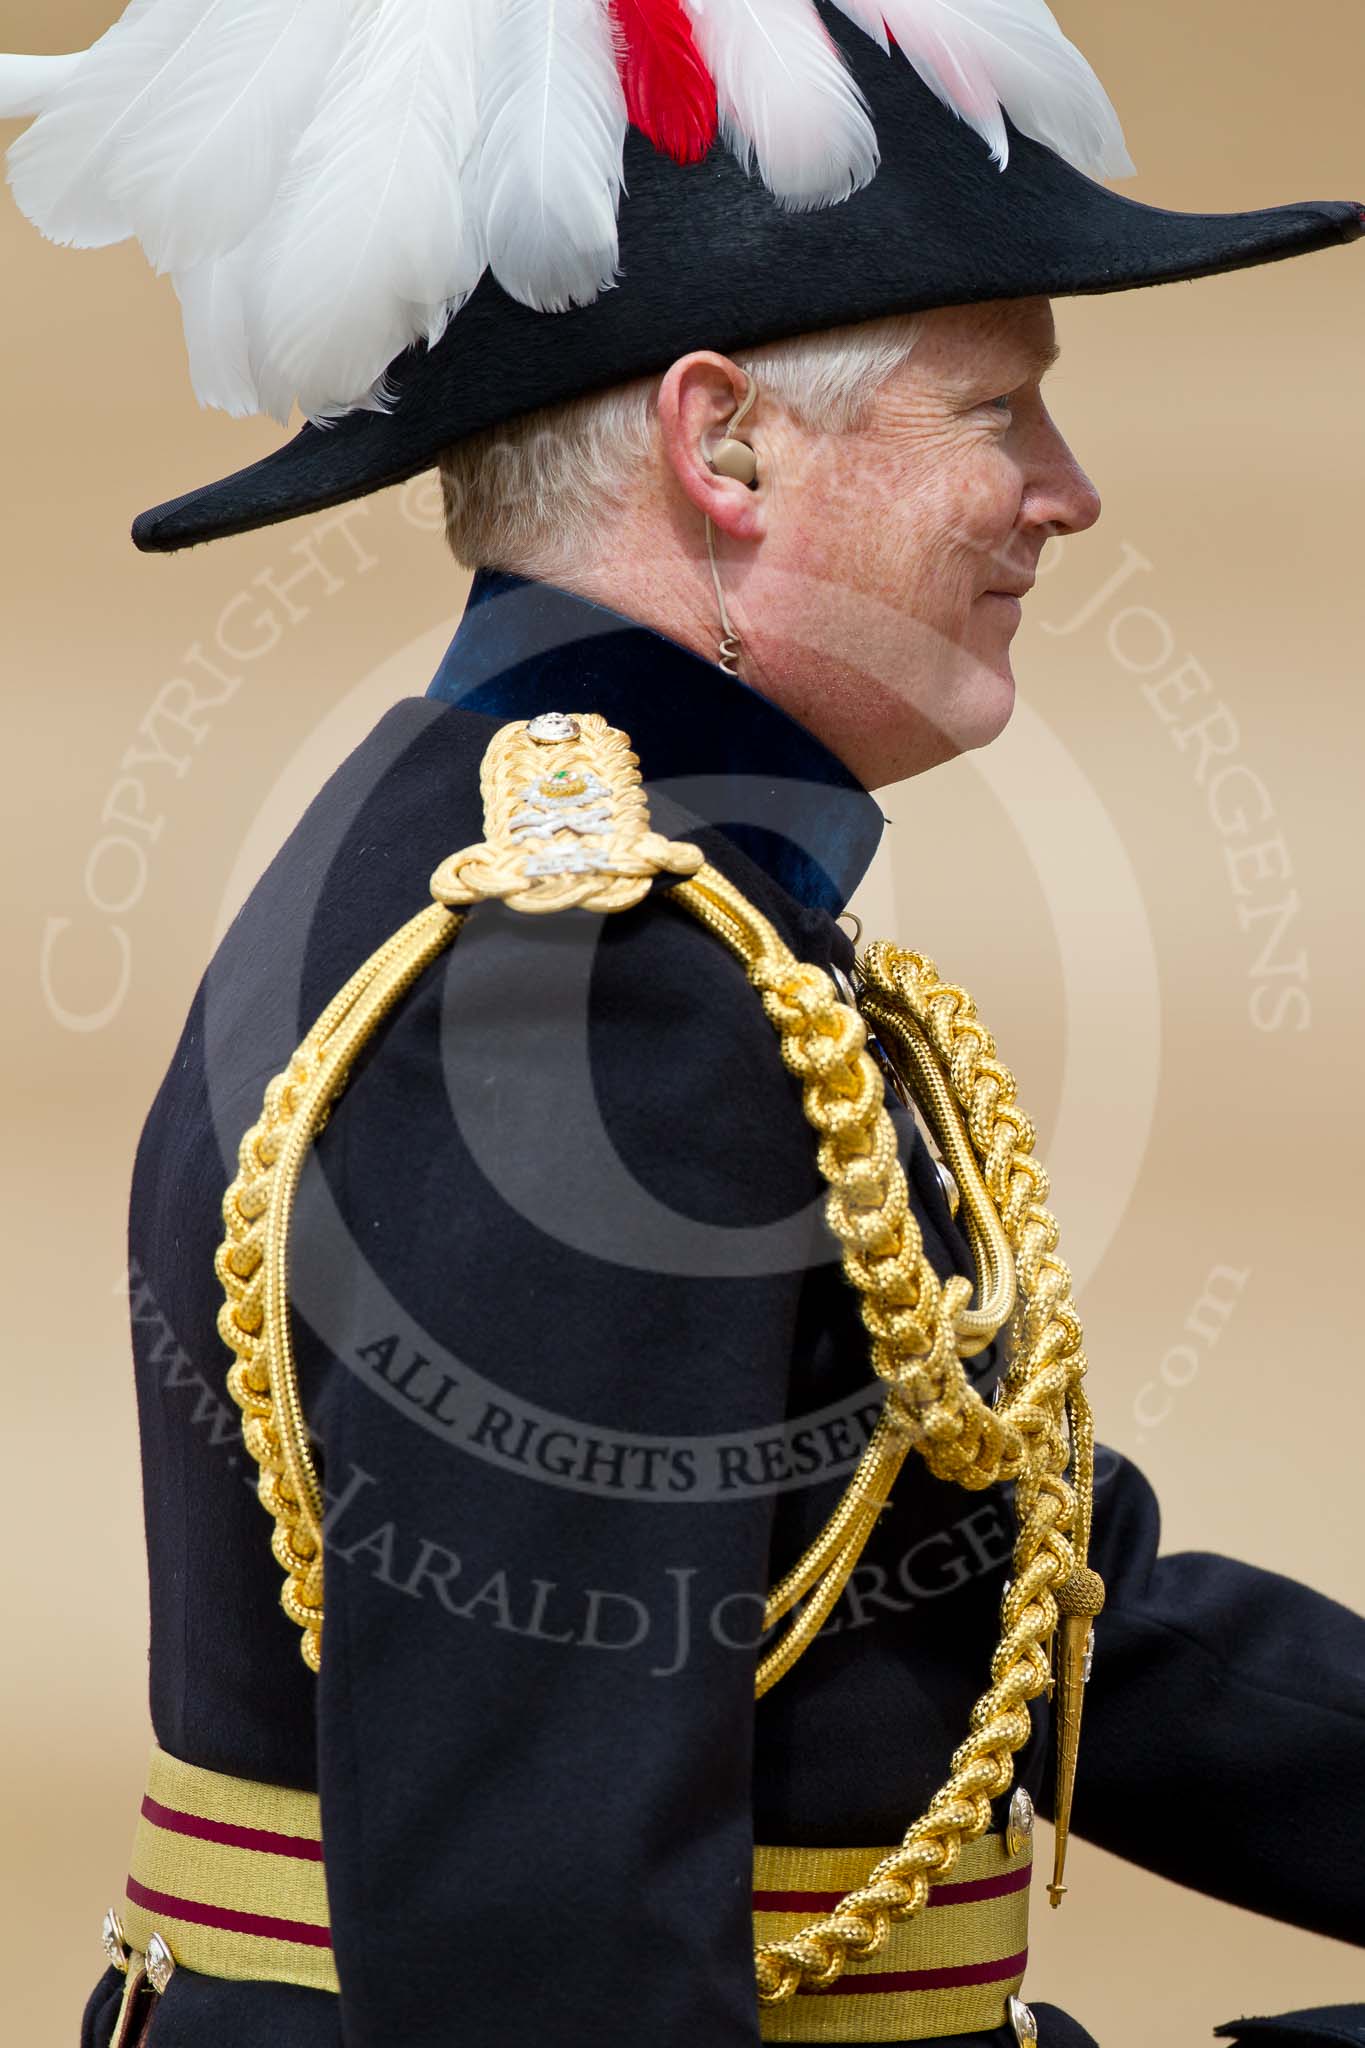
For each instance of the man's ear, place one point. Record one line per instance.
(697, 398)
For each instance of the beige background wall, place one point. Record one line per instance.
(1200, 1106)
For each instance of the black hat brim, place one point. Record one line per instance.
(708, 260)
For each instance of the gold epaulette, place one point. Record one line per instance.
(565, 821)
(566, 825)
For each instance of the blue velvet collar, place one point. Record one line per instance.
(722, 750)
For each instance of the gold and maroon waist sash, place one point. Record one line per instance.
(950, 1970)
(227, 1880)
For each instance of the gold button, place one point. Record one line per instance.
(1024, 2024)
(115, 1943)
(160, 1963)
(1019, 1826)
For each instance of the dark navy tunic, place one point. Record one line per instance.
(585, 1378)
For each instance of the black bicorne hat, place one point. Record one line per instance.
(883, 185)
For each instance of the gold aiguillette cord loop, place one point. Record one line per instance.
(1003, 1137)
(901, 1033)
(825, 1569)
(253, 1260)
(921, 1329)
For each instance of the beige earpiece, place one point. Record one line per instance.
(736, 459)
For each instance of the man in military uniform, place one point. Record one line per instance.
(607, 1335)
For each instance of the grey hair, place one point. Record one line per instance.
(527, 496)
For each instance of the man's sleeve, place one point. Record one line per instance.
(544, 1570)
(1224, 1731)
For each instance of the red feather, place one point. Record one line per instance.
(670, 94)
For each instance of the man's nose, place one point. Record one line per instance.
(1066, 498)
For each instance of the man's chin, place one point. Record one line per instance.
(924, 726)
(986, 705)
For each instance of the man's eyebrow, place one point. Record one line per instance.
(1039, 359)
(1026, 358)
(1034, 358)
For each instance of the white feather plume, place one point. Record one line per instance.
(204, 163)
(213, 308)
(553, 129)
(980, 56)
(326, 179)
(59, 169)
(370, 236)
(28, 85)
(787, 101)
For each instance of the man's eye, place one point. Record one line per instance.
(1007, 401)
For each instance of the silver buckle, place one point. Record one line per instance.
(115, 1942)
(1022, 2021)
(160, 1963)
